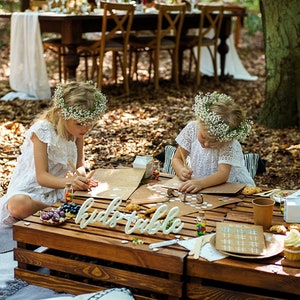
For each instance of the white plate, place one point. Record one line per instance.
(279, 195)
(274, 246)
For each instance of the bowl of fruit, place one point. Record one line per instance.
(53, 216)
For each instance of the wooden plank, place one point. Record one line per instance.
(96, 271)
(100, 247)
(254, 273)
(63, 285)
(199, 291)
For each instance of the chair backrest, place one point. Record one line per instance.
(116, 24)
(210, 23)
(170, 21)
(251, 161)
(122, 15)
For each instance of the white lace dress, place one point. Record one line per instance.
(205, 161)
(24, 181)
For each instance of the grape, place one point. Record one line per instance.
(50, 213)
(45, 216)
(62, 214)
(55, 218)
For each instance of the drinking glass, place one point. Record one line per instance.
(63, 5)
(56, 5)
(98, 3)
(50, 2)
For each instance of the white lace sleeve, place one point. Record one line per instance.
(59, 149)
(232, 154)
(188, 135)
(44, 131)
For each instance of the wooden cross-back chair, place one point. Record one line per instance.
(52, 43)
(114, 38)
(166, 37)
(208, 36)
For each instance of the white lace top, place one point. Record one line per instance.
(205, 161)
(24, 181)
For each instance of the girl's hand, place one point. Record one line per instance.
(83, 182)
(92, 182)
(185, 174)
(191, 186)
(80, 182)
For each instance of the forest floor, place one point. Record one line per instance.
(144, 122)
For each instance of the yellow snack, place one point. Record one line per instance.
(250, 190)
(132, 207)
(294, 226)
(278, 229)
(151, 210)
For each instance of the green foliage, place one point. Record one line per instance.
(253, 23)
(7, 6)
(250, 4)
(10, 5)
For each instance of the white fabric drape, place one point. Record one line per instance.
(28, 72)
(233, 64)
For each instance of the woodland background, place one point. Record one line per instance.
(144, 122)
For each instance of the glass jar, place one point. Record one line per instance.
(201, 223)
(68, 193)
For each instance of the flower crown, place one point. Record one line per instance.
(214, 123)
(73, 112)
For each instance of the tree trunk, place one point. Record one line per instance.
(281, 25)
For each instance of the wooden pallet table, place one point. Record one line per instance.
(69, 259)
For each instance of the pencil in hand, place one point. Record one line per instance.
(71, 164)
(183, 158)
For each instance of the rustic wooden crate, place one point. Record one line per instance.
(91, 259)
(234, 278)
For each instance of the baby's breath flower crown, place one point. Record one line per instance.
(214, 123)
(73, 112)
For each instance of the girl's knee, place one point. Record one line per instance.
(19, 206)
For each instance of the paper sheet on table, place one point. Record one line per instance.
(156, 193)
(233, 65)
(207, 251)
(28, 72)
(149, 193)
(225, 188)
(114, 183)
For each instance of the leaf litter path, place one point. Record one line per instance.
(144, 122)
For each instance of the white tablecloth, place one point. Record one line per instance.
(233, 65)
(28, 72)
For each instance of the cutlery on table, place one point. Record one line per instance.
(266, 193)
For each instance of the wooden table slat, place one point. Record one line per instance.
(96, 271)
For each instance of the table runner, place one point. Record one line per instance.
(28, 73)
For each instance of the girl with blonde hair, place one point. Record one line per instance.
(212, 144)
(55, 139)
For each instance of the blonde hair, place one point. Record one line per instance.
(75, 96)
(229, 112)
(223, 119)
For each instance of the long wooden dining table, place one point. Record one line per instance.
(96, 257)
(71, 27)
